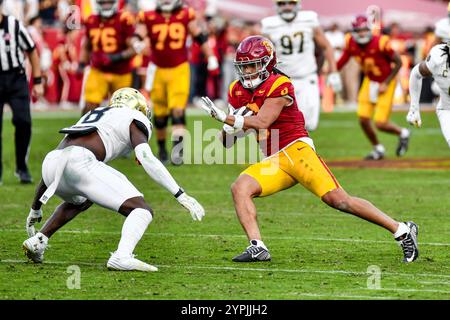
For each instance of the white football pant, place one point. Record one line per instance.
(84, 177)
(308, 99)
(444, 119)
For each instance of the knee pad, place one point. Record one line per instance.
(161, 122)
(144, 215)
(179, 120)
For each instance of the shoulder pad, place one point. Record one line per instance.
(308, 15)
(348, 39)
(191, 13)
(383, 42)
(127, 17)
(278, 82)
(268, 21)
(232, 86)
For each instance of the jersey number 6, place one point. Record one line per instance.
(95, 115)
(105, 37)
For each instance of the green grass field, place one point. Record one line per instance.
(318, 252)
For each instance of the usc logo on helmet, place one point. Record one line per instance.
(268, 46)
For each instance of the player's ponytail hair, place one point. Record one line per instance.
(275, 70)
(446, 50)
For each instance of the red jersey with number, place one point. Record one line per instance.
(290, 124)
(109, 36)
(375, 58)
(168, 35)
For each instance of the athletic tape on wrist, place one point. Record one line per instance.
(238, 122)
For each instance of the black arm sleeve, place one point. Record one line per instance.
(142, 127)
(201, 38)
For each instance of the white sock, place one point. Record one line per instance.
(404, 133)
(258, 243)
(133, 228)
(380, 148)
(402, 229)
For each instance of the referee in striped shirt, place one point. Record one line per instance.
(15, 44)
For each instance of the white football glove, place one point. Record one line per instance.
(195, 209)
(213, 63)
(334, 81)
(33, 217)
(138, 46)
(209, 106)
(413, 117)
(242, 111)
(226, 127)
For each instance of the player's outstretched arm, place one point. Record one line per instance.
(415, 87)
(333, 79)
(201, 37)
(158, 172)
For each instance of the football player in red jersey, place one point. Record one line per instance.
(376, 57)
(291, 156)
(110, 45)
(168, 28)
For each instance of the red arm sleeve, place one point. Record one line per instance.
(343, 59)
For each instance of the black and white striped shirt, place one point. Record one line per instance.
(14, 42)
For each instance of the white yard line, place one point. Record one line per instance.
(412, 290)
(437, 283)
(315, 295)
(195, 235)
(225, 268)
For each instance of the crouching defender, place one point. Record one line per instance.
(291, 157)
(77, 172)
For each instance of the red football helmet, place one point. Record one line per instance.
(255, 60)
(361, 29)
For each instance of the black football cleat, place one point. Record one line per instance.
(408, 242)
(375, 155)
(402, 146)
(253, 253)
(24, 176)
(163, 156)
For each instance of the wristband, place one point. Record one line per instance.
(37, 80)
(116, 57)
(35, 212)
(238, 122)
(179, 193)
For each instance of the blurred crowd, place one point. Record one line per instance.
(56, 27)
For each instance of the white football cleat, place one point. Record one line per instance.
(129, 263)
(35, 246)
